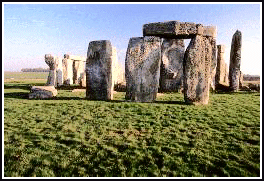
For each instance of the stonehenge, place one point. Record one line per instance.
(199, 62)
(157, 61)
(235, 58)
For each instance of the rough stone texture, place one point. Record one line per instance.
(82, 72)
(212, 44)
(226, 80)
(221, 70)
(42, 92)
(176, 29)
(171, 70)
(241, 75)
(99, 71)
(142, 68)
(235, 58)
(51, 62)
(67, 70)
(59, 72)
(75, 65)
(197, 70)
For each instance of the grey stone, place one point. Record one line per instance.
(99, 71)
(51, 62)
(235, 60)
(171, 70)
(42, 92)
(142, 68)
(221, 70)
(67, 65)
(176, 29)
(197, 70)
(241, 75)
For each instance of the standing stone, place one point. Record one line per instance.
(142, 68)
(99, 71)
(235, 58)
(196, 68)
(226, 75)
(75, 65)
(213, 60)
(241, 79)
(59, 72)
(51, 62)
(220, 77)
(67, 70)
(171, 71)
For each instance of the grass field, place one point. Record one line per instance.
(69, 136)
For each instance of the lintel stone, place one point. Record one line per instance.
(176, 29)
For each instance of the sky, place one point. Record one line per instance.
(32, 30)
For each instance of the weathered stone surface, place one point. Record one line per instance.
(42, 92)
(221, 70)
(99, 71)
(142, 68)
(212, 44)
(83, 79)
(235, 58)
(176, 29)
(51, 62)
(59, 71)
(75, 65)
(197, 70)
(226, 80)
(241, 75)
(67, 70)
(171, 70)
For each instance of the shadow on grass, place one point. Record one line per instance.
(172, 102)
(17, 86)
(236, 93)
(17, 95)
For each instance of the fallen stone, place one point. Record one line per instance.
(99, 71)
(142, 66)
(42, 92)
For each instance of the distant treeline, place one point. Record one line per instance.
(251, 77)
(35, 70)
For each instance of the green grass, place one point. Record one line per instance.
(70, 136)
(26, 75)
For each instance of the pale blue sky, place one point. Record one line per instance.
(33, 30)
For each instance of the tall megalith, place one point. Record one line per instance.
(99, 71)
(235, 60)
(51, 62)
(220, 77)
(67, 70)
(142, 68)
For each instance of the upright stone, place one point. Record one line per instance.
(76, 64)
(67, 70)
(241, 79)
(59, 72)
(220, 77)
(235, 59)
(99, 71)
(226, 75)
(51, 62)
(196, 68)
(171, 70)
(142, 68)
